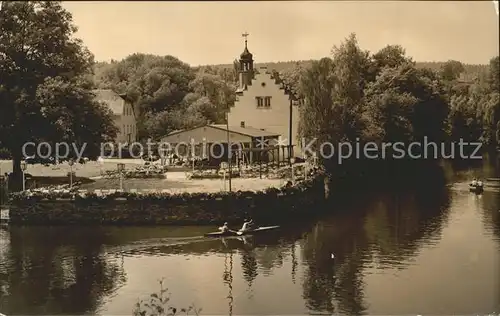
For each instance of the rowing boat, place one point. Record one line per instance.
(222, 234)
(256, 230)
(476, 188)
(232, 233)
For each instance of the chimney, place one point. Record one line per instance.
(242, 124)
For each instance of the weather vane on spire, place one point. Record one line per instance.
(245, 35)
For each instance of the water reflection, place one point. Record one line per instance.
(490, 206)
(385, 231)
(56, 271)
(228, 279)
(376, 240)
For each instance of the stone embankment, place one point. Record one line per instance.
(272, 205)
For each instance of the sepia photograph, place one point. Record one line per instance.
(249, 158)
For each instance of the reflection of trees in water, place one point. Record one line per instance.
(262, 253)
(57, 270)
(266, 253)
(328, 281)
(228, 279)
(269, 258)
(491, 213)
(392, 225)
(249, 266)
(398, 225)
(294, 261)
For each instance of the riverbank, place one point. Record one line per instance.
(168, 207)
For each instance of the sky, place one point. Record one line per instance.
(201, 33)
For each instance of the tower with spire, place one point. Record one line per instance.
(246, 66)
(264, 103)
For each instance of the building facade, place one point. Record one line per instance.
(209, 142)
(123, 114)
(263, 102)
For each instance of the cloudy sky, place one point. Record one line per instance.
(210, 32)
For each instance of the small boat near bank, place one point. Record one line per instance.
(232, 233)
(476, 186)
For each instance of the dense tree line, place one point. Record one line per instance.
(356, 96)
(386, 94)
(45, 90)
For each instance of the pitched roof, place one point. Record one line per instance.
(112, 99)
(247, 130)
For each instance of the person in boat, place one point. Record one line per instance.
(479, 183)
(247, 225)
(474, 182)
(251, 224)
(224, 228)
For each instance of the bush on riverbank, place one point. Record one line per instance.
(212, 174)
(63, 192)
(158, 304)
(141, 172)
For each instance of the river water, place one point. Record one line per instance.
(421, 251)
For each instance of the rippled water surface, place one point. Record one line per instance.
(427, 251)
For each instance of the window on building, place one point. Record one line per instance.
(267, 102)
(123, 129)
(260, 102)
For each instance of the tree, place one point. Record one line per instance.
(451, 70)
(464, 120)
(391, 56)
(475, 108)
(212, 96)
(407, 104)
(334, 96)
(292, 76)
(351, 68)
(153, 83)
(318, 114)
(162, 123)
(38, 55)
(494, 74)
